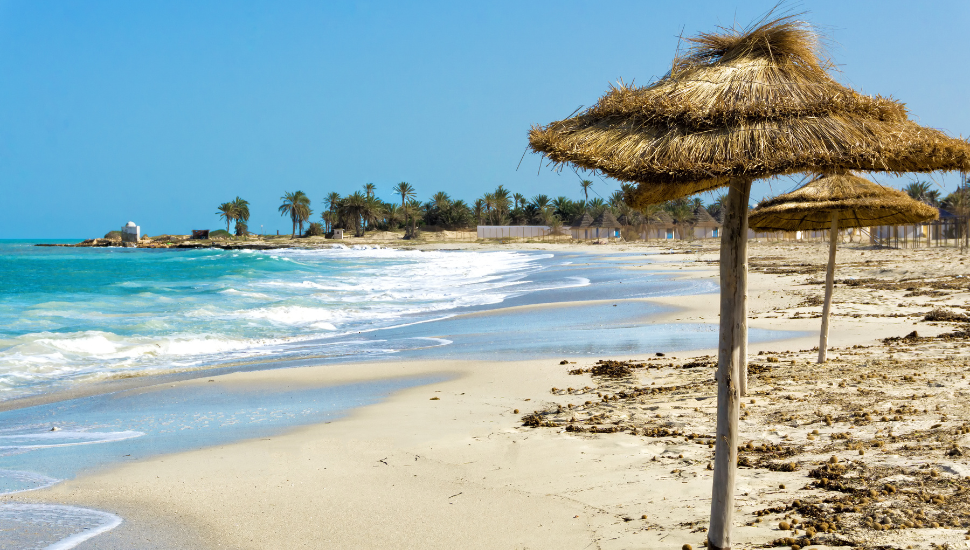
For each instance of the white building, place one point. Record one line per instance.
(130, 233)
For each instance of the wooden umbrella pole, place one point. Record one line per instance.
(743, 366)
(823, 343)
(734, 282)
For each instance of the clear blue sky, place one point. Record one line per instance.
(158, 111)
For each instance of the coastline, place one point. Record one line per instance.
(462, 471)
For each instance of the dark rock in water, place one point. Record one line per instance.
(658, 354)
(55, 428)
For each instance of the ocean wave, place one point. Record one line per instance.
(75, 525)
(205, 307)
(20, 481)
(61, 438)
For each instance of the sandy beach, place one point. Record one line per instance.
(865, 451)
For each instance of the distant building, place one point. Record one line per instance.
(130, 233)
(580, 228)
(604, 226)
(704, 225)
(338, 234)
(660, 226)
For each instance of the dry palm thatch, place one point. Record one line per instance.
(858, 201)
(834, 201)
(701, 215)
(606, 219)
(583, 221)
(741, 105)
(752, 104)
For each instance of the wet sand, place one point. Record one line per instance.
(467, 463)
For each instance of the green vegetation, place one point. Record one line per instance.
(314, 230)
(235, 211)
(957, 202)
(297, 206)
(362, 211)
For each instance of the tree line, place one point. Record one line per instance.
(957, 202)
(363, 211)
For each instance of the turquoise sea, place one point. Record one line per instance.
(75, 316)
(70, 314)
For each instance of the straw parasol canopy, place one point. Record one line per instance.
(858, 201)
(834, 201)
(740, 105)
(743, 104)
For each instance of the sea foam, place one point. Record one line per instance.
(125, 313)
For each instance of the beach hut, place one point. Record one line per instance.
(837, 201)
(605, 225)
(705, 226)
(663, 224)
(580, 228)
(737, 106)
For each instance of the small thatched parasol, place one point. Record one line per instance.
(741, 105)
(836, 201)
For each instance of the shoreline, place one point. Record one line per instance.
(462, 471)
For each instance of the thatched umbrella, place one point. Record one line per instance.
(835, 201)
(740, 105)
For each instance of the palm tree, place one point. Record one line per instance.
(392, 214)
(596, 207)
(369, 189)
(412, 210)
(227, 210)
(354, 208)
(242, 209)
(489, 200)
(716, 208)
(332, 200)
(479, 210)
(585, 184)
(441, 200)
(303, 209)
(682, 214)
(918, 190)
(541, 205)
(566, 209)
(406, 191)
(500, 204)
(328, 218)
(372, 208)
(519, 199)
(297, 206)
(616, 199)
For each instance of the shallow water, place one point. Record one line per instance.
(96, 432)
